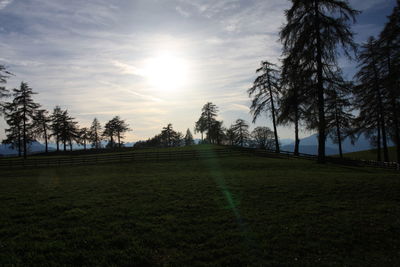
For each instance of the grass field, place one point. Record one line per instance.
(371, 154)
(227, 211)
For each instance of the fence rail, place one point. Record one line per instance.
(177, 155)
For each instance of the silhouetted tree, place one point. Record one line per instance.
(4, 92)
(231, 136)
(189, 138)
(216, 134)
(370, 96)
(41, 126)
(207, 119)
(84, 137)
(241, 130)
(25, 108)
(56, 125)
(121, 127)
(14, 132)
(313, 30)
(200, 127)
(389, 41)
(339, 115)
(263, 137)
(109, 132)
(264, 91)
(69, 131)
(95, 134)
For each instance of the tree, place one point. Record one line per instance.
(84, 137)
(310, 37)
(121, 127)
(339, 115)
(25, 108)
(264, 91)
(4, 75)
(389, 43)
(69, 131)
(189, 138)
(207, 119)
(14, 132)
(216, 134)
(95, 134)
(56, 125)
(263, 138)
(200, 127)
(231, 136)
(241, 130)
(370, 96)
(41, 126)
(109, 132)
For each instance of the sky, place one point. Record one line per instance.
(151, 62)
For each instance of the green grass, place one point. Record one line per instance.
(371, 154)
(230, 211)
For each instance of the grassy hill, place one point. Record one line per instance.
(371, 154)
(219, 211)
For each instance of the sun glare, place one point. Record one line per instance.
(166, 72)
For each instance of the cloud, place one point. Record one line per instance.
(4, 3)
(88, 56)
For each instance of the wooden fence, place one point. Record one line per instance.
(158, 156)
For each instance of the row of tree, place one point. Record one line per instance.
(237, 134)
(28, 122)
(309, 89)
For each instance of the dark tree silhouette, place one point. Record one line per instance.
(4, 75)
(69, 130)
(231, 136)
(84, 137)
(109, 132)
(264, 91)
(200, 127)
(389, 40)
(241, 130)
(370, 96)
(170, 138)
(207, 119)
(339, 115)
(263, 137)
(310, 37)
(14, 132)
(216, 134)
(25, 108)
(95, 134)
(56, 125)
(41, 126)
(189, 138)
(121, 127)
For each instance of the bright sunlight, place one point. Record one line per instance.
(166, 72)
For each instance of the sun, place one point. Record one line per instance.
(166, 72)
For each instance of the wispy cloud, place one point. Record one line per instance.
(4, 3)
(88, 56)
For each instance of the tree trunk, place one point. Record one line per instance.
(338, 135)
(378, 141)
(70, 146)
(381, 117)
(296, 133)
(58, 144)
(277, 150)
(119, 140)
(46, 141)
(84, 144)
(320, 88)
(24, 133)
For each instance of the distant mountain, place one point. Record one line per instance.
(286, 141)
(309, 145)
(34, 147)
